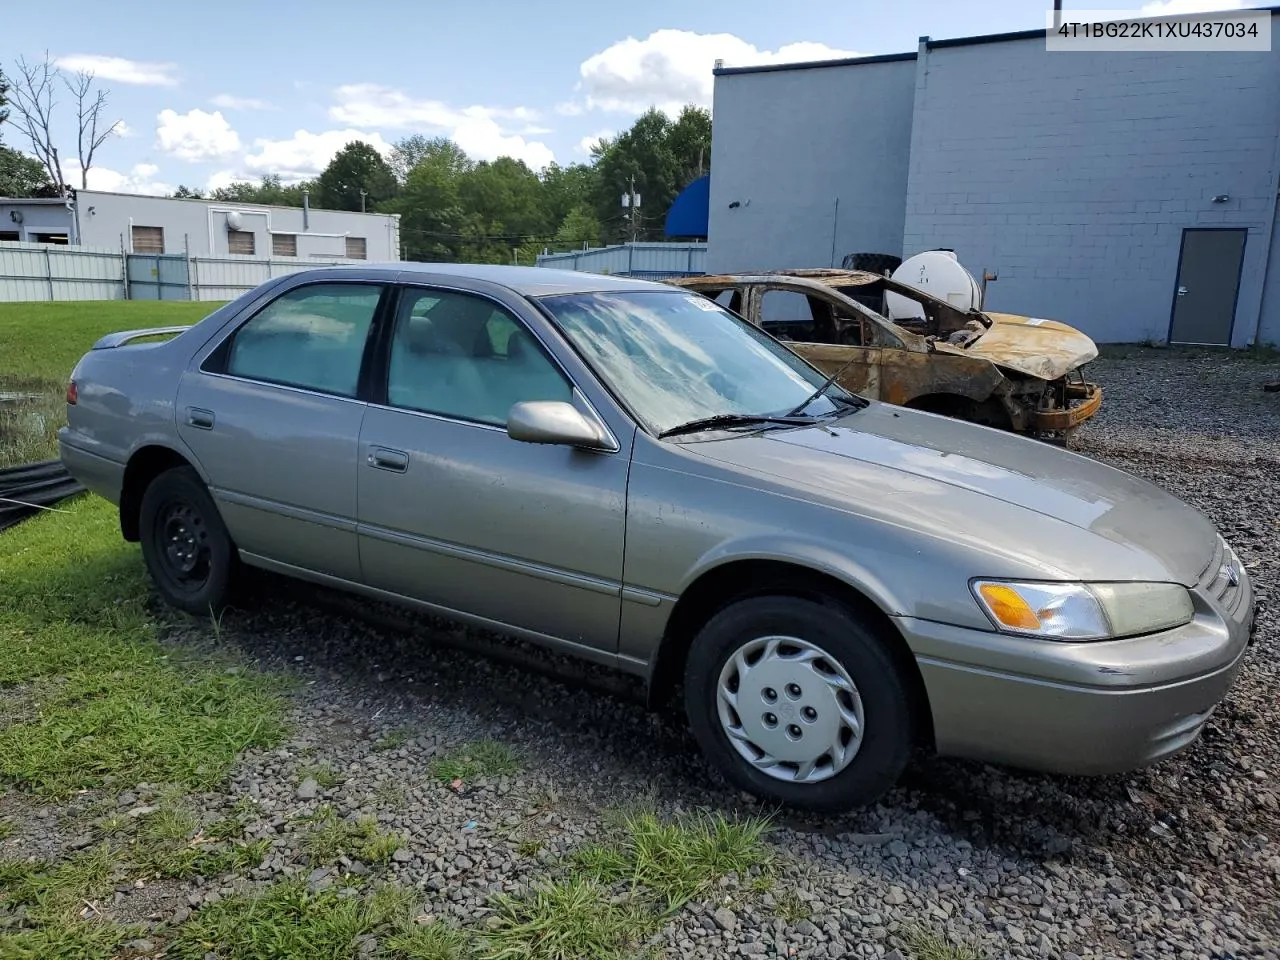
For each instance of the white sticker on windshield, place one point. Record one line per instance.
(702, 303)
(1035, 321)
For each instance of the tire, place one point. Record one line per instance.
(848, 645)
(196, 573)
(878, 263)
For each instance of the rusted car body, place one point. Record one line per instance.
(1019, 373)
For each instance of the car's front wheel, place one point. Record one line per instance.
(799, 701)
(185, 545)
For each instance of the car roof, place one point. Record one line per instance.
(822, 275)
(527, 281)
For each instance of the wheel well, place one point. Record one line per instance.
(717, 588)
(144, 466)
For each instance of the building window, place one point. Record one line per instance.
(8, 234)
(148, 239)
(58, 238)
(240, 242)
(284, 244)
(356, 248)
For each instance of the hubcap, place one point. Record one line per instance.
(186, 543)
(790, 709)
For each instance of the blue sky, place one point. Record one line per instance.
(230, 90)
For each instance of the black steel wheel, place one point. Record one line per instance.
(187, 549)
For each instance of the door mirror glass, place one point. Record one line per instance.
(553, 421)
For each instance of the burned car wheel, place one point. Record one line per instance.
(797, 701)
(187, 549)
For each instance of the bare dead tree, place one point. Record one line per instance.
(90, 104)
(34, 103)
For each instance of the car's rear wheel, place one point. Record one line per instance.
(798, 701)
(187, 549)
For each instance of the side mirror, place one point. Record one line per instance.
(554, 421)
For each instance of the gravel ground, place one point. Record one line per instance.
(1182, 860)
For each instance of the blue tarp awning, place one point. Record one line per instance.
(690, 210)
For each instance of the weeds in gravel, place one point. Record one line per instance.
(323, 774)
(286, 921)
(432, 941)
(790, 908)
(66, 939)
(114, 705)
(6, 829)
(927, 945)
(568, 920)
(475, 761)
(330, 838)
(393, 740)
(677, 860)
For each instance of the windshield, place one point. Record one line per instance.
(674, 357)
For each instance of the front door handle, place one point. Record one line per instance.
(384, 458)
(200, 418)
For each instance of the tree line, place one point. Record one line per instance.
(452, 207)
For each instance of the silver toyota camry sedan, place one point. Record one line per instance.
(627, 472)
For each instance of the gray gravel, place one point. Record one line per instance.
(1182, 860)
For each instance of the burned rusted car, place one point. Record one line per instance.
(1019, 373)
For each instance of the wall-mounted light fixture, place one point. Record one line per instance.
(734, 205)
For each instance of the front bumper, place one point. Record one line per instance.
(1079, 708)
(1083, 400)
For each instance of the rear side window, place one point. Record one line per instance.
(312, 337)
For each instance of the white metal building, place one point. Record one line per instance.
(200, 228)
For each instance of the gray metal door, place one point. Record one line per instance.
(155, 276)
(1204, 300)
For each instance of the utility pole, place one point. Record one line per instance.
(631, 202)
(363, 194)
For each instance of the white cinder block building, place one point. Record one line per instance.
(200, 228)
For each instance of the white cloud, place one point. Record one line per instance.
(586, 143)
(228, 102)
(670, 68)
(225, 178)
(1165, 8)
(122, 129)
(121, 70)
(195, 136)
(137, 180)
(475, 129)
(570, 108)
(305, 154)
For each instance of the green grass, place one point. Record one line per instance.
(475, 761)
(114, 705)
(330, 837)
(287, 922)
(568, 920)
(393, 740)
(40, 343)
(677, 861)
(323, 774)
(926, 945)
(6, 829)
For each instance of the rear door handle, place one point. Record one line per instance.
(201, 418)
(384, 458)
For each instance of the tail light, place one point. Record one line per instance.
(72, 393)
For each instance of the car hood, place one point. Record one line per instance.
(1027, 474)
(1040, 348)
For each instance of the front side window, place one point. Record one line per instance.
(463, 356)
(313, 337)
(674, 357)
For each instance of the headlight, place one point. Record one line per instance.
(1083, 611)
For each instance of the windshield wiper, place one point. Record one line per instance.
(733, 420)
(856, 401)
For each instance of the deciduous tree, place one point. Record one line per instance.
(357, 178)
